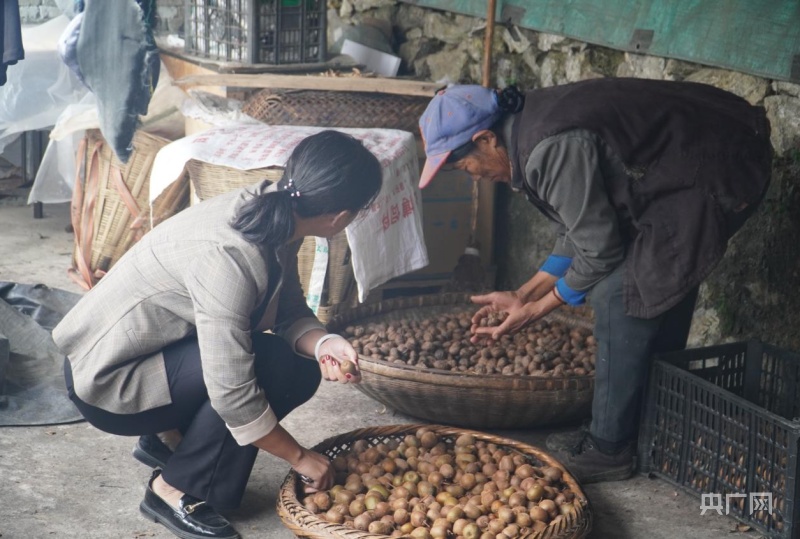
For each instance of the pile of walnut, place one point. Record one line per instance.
(544, 348)
(425, 488)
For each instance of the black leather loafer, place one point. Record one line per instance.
(193, 520)
(151, 451)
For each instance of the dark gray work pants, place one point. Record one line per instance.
(625, 347)
(208, 463)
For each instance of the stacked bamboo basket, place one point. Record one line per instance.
(110, 208)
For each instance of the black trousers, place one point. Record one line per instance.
(625, 347)
(208, 463)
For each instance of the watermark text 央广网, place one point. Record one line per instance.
(759, 501)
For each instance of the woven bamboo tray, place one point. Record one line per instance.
(110, 206)
(303, 523)
(325, 108)
(209, 180)
(463, 399)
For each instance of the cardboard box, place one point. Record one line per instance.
(446, 214)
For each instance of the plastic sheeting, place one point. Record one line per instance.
(39, 87)
(761, 38)
(34, 392)
(56, 174)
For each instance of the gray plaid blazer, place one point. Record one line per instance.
(192, 274)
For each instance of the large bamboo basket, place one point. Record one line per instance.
(209, 180)
(326, 108)
(463, 399)
(303, 523)
(110, 206)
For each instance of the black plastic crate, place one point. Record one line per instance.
(257, 31)
(721, 423)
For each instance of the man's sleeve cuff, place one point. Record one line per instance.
(556, 265)
(247, 434)
(572, 297)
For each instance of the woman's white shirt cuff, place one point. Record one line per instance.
(255, 430)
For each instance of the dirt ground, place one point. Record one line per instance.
(76, 481)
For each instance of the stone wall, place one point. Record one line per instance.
(37, 11)
(751, 293)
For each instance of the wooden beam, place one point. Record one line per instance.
(303, 82)
(179, 68)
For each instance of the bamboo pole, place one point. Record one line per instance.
(483, 195)
(487, 44)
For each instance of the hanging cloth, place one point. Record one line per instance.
(118, 57)
(10, 37)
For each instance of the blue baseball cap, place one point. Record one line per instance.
(452, 117)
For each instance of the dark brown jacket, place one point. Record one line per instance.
(697, 159)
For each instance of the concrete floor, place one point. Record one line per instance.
(76, 481)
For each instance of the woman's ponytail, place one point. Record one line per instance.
(266, 218)
(327, 173)
(510, 99)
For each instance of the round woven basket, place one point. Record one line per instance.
(304, 523)
(463, 399)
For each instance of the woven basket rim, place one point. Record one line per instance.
(289, 505)
(441, 377)
(346, 314)
(444, 377)
(140, 137)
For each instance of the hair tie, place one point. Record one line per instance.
(510, 99)
(293, 191)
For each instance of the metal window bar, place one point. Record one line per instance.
(32, 145)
